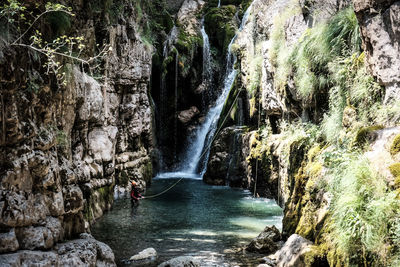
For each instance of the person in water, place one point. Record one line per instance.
(135, 195)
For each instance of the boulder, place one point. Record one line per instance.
(187, 116)
(265, 242)
(292, 253)
(183, 261)
(85, 251)
(147, 255)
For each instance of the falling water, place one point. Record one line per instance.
(219, 3)
(206, 55)
(176, 106)
(207, 71)
(196, 156)
(162, 108)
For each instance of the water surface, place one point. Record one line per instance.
(191, 219)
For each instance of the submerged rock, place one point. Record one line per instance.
(183, 261)
(266, 241)
(147, 255)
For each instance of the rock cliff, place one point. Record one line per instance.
(303, 124)
(64, 148)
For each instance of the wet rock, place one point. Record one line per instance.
(8, 242)
(188, 115)
(183, 261)
(145, 256)
(227, 162)
(266, 241)
(292, 253)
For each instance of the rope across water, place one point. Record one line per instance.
(204, 151)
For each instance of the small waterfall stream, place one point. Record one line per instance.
(206, 55)
(195, 159)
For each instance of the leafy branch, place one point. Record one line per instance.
(66, 47)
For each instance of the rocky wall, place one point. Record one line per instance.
(380, 29)
(64, 148)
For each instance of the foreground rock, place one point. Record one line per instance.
(85, 251)
(146, 256)
(292, 253)
(266, 241)
(183, 261)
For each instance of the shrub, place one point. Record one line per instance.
(364, 212)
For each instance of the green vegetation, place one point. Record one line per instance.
(327, 61)
(365, 214)
(220, 22)
(57, 49)
(361, 226)
(395, 171)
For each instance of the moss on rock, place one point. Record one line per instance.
(316, 257)
(395, 147)
(395, 169)
(221, 25)
(364, 134)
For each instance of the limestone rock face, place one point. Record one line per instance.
(8, 242)
(379, 22)
(60, 146)
(187, 15)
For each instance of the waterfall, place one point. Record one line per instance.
(207, 72)
(206, 55)
(176, 106)
(219, 3)
(162, 108)
(196, 156)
